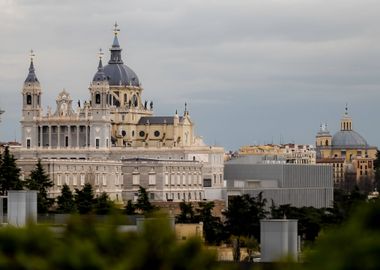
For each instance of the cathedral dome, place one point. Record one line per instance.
(120, 74)
(116, 72)
(348, 139)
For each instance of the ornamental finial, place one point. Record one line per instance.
(116, 29)
(100, 54)
(32, 55)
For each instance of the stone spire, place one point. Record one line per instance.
(100, 75)
(115, 49)
(31, 75)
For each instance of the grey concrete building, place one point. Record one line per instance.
(298, 185)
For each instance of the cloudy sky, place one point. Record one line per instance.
(251, 71)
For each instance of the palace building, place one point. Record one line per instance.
(112, 130)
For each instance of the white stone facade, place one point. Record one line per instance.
(92, 138)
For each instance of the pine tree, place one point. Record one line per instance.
(187, 214)
(103, 204)
(9, 173)
(41, 182)
(143, 204)
(65, 201)
(84, 199)
(130, 209)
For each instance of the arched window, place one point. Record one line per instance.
(97, 98)
(327, 142)
(29, 99)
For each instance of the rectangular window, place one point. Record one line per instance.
(239, 184)
(74, 179)
(207, 182)
(97, 180)
(151, 195)
(97, 142)
(136, 179)
(104, 180)
(82, 179)
(178, 179)
(59, 180)
(116, 179)
(152, 179)
(28, 143)
(67, 180)
(166, 179)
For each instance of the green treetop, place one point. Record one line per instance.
(65, 201)
(84, 199)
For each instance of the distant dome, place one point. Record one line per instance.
(348, 138)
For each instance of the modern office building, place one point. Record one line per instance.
(298, 185)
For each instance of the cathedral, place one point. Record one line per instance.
(114, 136)
(348, 152)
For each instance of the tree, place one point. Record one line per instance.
(143, 204)
(243, 215)
(84, 199)
(65, 201)
(9, 173)
(130, 209)
(212, 226)
(103, 204)
(354, 245)
(187, 214)
(40, 181)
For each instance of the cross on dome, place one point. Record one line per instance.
(116, 29)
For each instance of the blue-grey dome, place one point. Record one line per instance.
(116, 72)
(348, 139)
(120, 74)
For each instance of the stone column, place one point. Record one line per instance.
(78, 136)
(86, 130)
(41, 136)
(49, 136)
(69, 136)
(58, 136)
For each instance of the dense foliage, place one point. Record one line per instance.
(85, 244)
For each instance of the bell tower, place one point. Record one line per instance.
(100, 129)
(31, 107)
